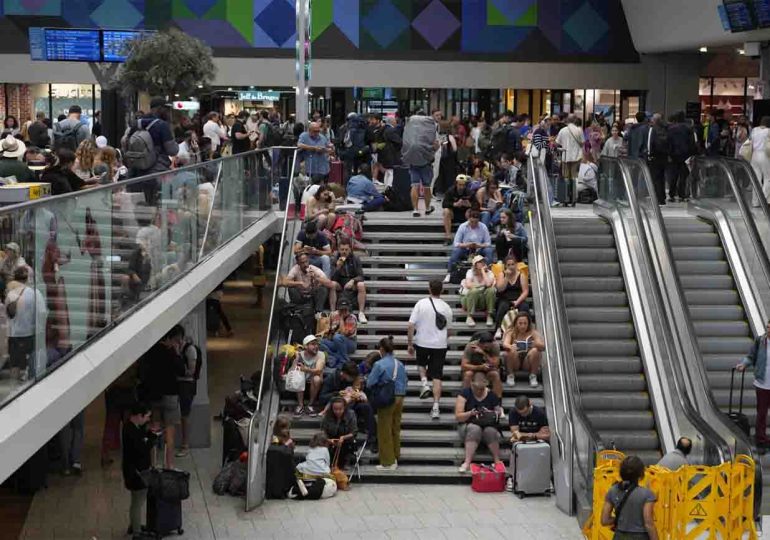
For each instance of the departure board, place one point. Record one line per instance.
(69, 45)
(762, 13)
(37, 43)
(114, 44)
(739, 15)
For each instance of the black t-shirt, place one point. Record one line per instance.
(489, 402)
(239, 145)
(319, 241)
(62, 180)
(529, 424)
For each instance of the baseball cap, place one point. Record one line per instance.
(310, 338)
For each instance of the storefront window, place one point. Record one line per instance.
(39, 95)
(88, 96)
(580, 101)
(729, 95)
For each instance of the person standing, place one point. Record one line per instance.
(428, 337)
(760, 161)
(681, 142)
(757, 358)
(240, 134)
(214, 130)
(137, 453)
(315, 153)
(571, 141)
(387, 146)
(629, 507)
(385, 370)
(71, 131)
(658, 153)
(677, 458)
(418, 152)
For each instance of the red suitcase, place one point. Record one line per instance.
(335, 172)
(488, 478)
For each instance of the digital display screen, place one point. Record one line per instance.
(72, 45)
(114, 44)
(739, 15)
(37, 43)
(762, 13)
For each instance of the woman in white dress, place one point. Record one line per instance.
(760, 161)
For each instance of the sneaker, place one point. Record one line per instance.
(510, 381)
(183, 451)
(387, 467)
(77, 469)
(470, 322)
(415, 214)
(362, 318)
(425, 391)
(533, 380)
(299, 411)
(490, 320)
(447, 278)
(435, 413)
(311, 411)
(430, 210)
(462, 469)
(499, 334)
(509, 484)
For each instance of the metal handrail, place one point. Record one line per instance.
(575, 416)
(716, 449)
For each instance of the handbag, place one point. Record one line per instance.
(746, 150)
(342, 480)
(384, 394)
(486, 419)
(441, 321)
(295, 380)
(488, 478)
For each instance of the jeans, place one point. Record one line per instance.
(376, 202)
(479, 296)
(72, 441)
(323, 262)
(763, 402)
(389, 431)
(464, 253)
(491, 218)
(339, 348)
(138, 502)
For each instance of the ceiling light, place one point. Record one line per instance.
(200, 86)
(704, 49)
(741, 51)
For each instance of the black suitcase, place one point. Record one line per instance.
(402, 184)
(163, 517)
(740, 419)
(566, 191)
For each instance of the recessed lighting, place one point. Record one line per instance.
(741, 51)
(176, 95)
(704, 49)
(200, 86)
(230, 89)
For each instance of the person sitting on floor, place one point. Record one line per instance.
(472, 237)
(337, 384)
(528, 422)
(482, 354)
(311, 361)
(341, 342)
(477, 412)
(348, 277)
(339, 424)
(457, 200)
(478, 287)
(361, 189)
(524, 348)
(316, 246)
(307, 283)
(317, 461)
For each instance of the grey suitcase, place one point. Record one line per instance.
(531, 468)
(566, 191)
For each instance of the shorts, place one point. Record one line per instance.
(20, 351)
(432, 360)
(166, 411)
(186, 395)
(422, 174)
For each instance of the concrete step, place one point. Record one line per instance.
(370, 261)
(408, 299)
(401, 236)
(407, 285)
(409, 249)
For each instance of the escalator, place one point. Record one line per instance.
(611, 378)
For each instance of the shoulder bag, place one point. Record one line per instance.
(441, 321)
(13, 306)
(384, 394)
(622, 503)
(295, 380)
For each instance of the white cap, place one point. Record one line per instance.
(101, 141)
(309, 339)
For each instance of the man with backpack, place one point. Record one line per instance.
(386, 143)
(506, 138)
(355, 150)
(148, 147)
(188, 386)
(682, 145)
(418, 152)
(71, 131)
(269, 134)
(657, 155)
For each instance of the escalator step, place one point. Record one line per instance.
(608, 331)
(693, 239)
(621, 383)
(595, 299)
(733, 328)
(586, 284)
(608, 364)
(589, 269)
(615, 401)
(589, 313)
(594, 255)
(619, 420)
(702, 267)
(604, 347)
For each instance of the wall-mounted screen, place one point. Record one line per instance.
(739, 15)
(72, 45)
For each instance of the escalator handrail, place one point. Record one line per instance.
(712, 439)
(676, 306)
(564, 361)
(748, 219)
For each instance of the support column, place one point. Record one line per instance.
(303, 60)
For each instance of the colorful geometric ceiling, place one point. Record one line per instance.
(534, 30)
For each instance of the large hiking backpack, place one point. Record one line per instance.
(67, 138)
(274, 135)
(138, 147)
(347, 226)
(354, 142)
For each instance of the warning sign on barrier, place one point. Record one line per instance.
(698, 511)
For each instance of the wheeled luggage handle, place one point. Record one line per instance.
(732, 384)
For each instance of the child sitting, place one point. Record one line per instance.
(317, 461)
(355, 392)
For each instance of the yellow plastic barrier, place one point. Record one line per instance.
(695, 502)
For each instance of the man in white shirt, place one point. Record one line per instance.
(214, 130)
(570, 139)
(431, 341)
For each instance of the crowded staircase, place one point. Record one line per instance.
(403, 254)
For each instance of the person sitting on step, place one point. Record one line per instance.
(307, 283)
(512, 286)
(361, 189)
(340, 342)
(472, 237)
(477, 411)
(310, 361)
(524, 348)
(457, 200)
(348, 278)
(478, 287)
(528, 422)
(482, 354)
(340, 425)
(316, 246)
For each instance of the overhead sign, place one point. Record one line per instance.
(259, 95)
(80, 44)
(186, 105)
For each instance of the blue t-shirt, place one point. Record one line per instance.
(315, 162)
(531, 423)
(319, 241)
(471, 402)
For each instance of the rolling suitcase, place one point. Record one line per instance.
(566, 191)
(531, 468)
(740, 419)
(163, 516)
(335, 172)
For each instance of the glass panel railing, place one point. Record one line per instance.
(75, 265)
(261, 425)
(625, 189)
(577, 443)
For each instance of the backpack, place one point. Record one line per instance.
(658, 141)
(198, 360)
(138, 147)
(67, 138)
(502, 143)
(354, 142)
(395, 202)
(274, 136)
